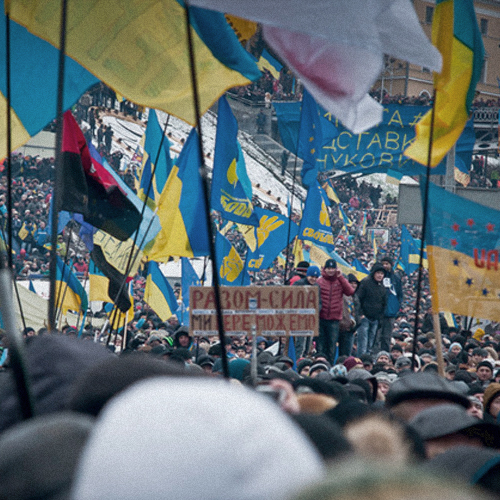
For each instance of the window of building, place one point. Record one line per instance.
(484, 71)
(484, 26)
(429, 11)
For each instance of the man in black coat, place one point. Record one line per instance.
(373, 300)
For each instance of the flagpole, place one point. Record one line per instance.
(424, 228)
(16, 345)
(9, 137)
(285, 278)
(206, 198)
(8, 159)
(58, 169)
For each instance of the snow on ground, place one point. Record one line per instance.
(262, 170)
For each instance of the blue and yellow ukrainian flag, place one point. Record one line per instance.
(181, 209)
(361, 271)
(159, 294)
(231, 189)
(345, 219)
(189, 278)
(228, 262)
(315, 225)
(330, 191)
(457, 36)
(98, 284)
(463, 243)
(34, 66)
(364, 223)
(152, 140)
(267, 61)
(140, 50)
(409, 252)
(274, 233)
(146, 190)
(70, 293)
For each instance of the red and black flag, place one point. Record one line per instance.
(89, 189)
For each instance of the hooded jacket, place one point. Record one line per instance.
(332, 290)
(372, 294)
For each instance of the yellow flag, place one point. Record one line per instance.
(137, 48)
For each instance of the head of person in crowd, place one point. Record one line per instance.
(484, 371)
(182, 338)
(403, 364)
(478, 466)
(228, 467)
(447, 425)
(352, 362)
(476, 407)
(54, 363)
(312, 274)
(318, 367)
(412, 393)
(330, 268)
(353, 281)
(303, 367)
(48, 447)
(363, 480)
(396, 352)
(367, 360)
(383, 357)
(384, 382)
(387, 263)
(491, 400)
(302, 268)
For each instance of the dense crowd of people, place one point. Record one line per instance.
(363, 396)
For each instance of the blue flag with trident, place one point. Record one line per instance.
(315, 225)
(231, 189)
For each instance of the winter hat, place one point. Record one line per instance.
(361, 374)
(377, 267)
(424, 385)
(325, 434)
(478, 334)
(445, 419)
(490, 393)
(99, 383)
(314, 271)
(54, 363)
(454, 344)
(351, 278)
(318, 366)
(303, 363)
(382, 353)
(386, 258)
(48, 447)
(351, 362)
(302, 267)
(402, 362)
(484, 363)
(475, 465)
(338, 371)
(251, 469)
(330, 263)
